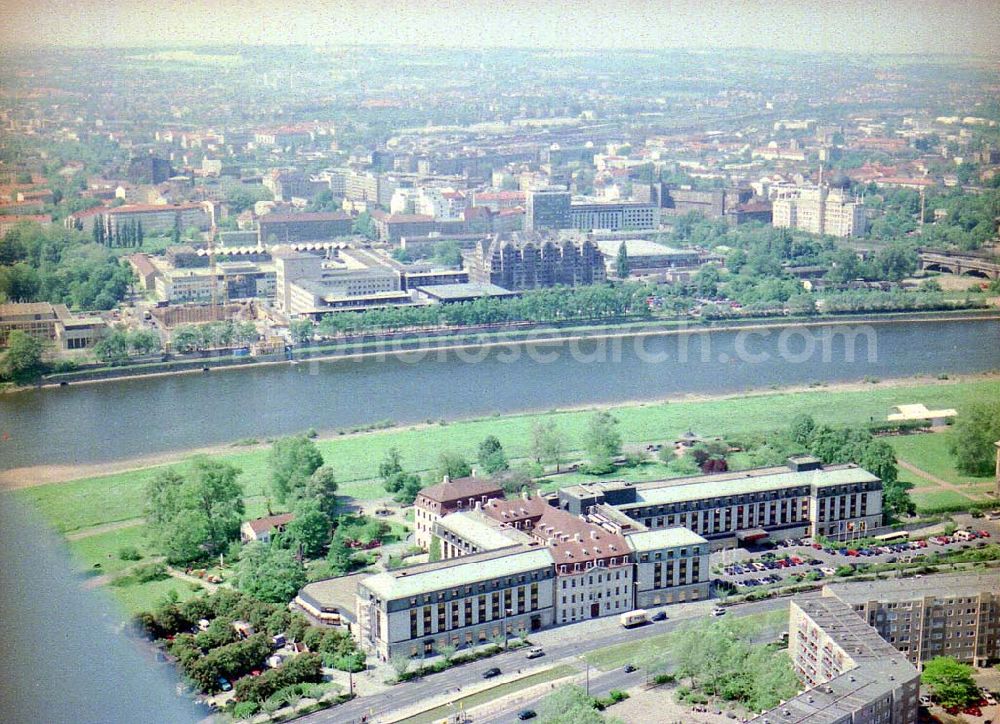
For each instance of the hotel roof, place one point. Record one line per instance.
(482, 531)
(664, 538)
(462, 571)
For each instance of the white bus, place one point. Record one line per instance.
(634, 618)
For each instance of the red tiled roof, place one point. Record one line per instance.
(151, 208)
(263, 525)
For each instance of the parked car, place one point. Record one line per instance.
(525, 714)
(629, 668)
(659, 616)
(535, 653)
(224, 684)
(490, 673)
(718, 611)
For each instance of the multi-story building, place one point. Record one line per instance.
(671, 566)
(157, 218)
(647, 256)
(819, 210)
(449, 496)
(529, 261)
(614, 216)
(464, 602)
(803, 499)
(50, 323)
(953, 615)
(289, 228)
(547, 209)
(852, 675)
(9, 221)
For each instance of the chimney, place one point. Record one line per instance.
(479, 505)
(578, 538)
(446, 479)
(526, 494)
(593, 535)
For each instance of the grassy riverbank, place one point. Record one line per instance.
(104, 499)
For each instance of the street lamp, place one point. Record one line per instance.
(587, 663)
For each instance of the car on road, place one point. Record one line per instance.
(535, 653)
(629, 668)
(659, 616)
(718, 611)
(490, 673)
(526, 714)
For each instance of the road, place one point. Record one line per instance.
(564, 644)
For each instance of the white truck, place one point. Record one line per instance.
(634, 618)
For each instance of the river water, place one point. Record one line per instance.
(93, 423)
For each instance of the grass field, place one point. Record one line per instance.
(937, 498)
(931, 454)
(99, 553)
(491, 694)
(98, 500)
(145, 596)
(766, 626)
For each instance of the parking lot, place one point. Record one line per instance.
(748, 569)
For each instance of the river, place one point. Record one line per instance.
(124, 419)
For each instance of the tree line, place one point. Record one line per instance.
(128, 234)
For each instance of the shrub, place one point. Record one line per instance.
(245, 709)
(129, 553)
(144, 573)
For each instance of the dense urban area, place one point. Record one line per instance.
(820, 554)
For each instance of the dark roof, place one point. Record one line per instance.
(460, 489)
(313, 216)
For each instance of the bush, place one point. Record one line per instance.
(129, 553)
(144, 573)
(664, 679)
(245, 709)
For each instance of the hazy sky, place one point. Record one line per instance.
(864, 26)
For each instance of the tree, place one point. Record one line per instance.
(491, 456)
(197, 514)
(400, 663)
(321, 488)
(547, 443)
(391, 465)
(339, 556)
(801, 428)
(309, 530)
(22, 362)
(269, 572)
(448, 253)
(976, 431)
(452, 465)
(302, 330)
(950, 682)
(602, 441)
(569, 704)
(364, 225)
(621, 261)
(292, 461)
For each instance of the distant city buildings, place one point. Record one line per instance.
(51, 323)
(531, 261)
(819, 210)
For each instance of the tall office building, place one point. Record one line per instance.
(547, 209)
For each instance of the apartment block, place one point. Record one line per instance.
(954, 615)
(852, 675)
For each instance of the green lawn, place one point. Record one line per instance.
(145, 596)
(932, 499)
(930, 453)
(491, 694)
(103, 549)
(93, 501)
(767, 625)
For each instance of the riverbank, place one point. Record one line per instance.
(393, 347)
(40, 475)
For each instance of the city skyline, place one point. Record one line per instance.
(850, 27)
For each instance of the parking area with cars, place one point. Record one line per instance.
(797, 560)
